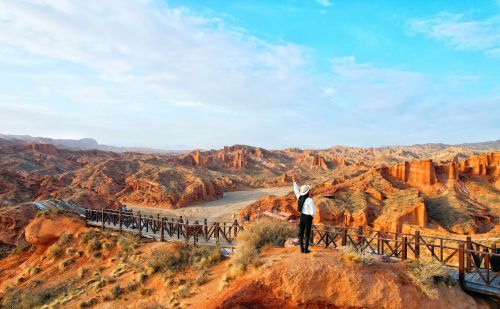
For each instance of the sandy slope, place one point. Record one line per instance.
(219, 210)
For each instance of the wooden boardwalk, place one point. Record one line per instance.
(468, 261)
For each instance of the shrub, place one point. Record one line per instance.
(168, 257)
(426, 273)
(202, 276)
(28, 298)
(80, 273)
(93, 245)
(262, 232)
(358, 256)
(54, 251)
(202, 257)
(132, 286)
(116, 291)
(89, 303)
(21, 247)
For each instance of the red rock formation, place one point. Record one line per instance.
(289, 279)
(484, 164)
(319, 161)
(44, 148)
(259, 153)
(240, 159)
(453, 169)
(44, 231)
(198, 158)
(13, 220)
(415, 214)
(420, 173)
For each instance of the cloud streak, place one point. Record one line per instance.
(461, 31)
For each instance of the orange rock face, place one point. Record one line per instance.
(485, 164)
(418, 173)
(295, 280)
(45, 231)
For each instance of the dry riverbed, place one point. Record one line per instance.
(219, 210)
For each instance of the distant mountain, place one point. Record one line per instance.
(493, 145)
(90, 143)
(79, 144)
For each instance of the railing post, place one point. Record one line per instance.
(344, 237)
(441, 249)
(216, 234)
(379, 243)
(417, 244)
(360, 235)
(404, 248)
(461, 270)
(162, 230)
(205, 228)
(468, 246)
(120, 220)
(139, 223)
(86, 217)
(102, 218)
(486, 262)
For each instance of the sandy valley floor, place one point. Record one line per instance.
(219, 210)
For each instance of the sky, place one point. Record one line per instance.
(276, 74)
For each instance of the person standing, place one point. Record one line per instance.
(307, 212)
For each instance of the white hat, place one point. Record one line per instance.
(304, 189)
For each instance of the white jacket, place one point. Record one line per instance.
(308, 208)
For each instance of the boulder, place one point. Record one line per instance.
(45, 230)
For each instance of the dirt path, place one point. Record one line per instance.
(219, 210)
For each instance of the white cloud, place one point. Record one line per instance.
(325, 2)
(461, 31)
(172, 53)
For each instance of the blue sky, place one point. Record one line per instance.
(203, 74)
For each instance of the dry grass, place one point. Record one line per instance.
(261, 233)
(358, 256)
(54, 251)
(28, 298)
(167, 257)
(426, 274)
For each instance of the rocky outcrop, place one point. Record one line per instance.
(485, 164)
(420, 173)
(415, 214)
(313, 160)
(13, 221)
(44, 148)
(289, 279)
(240, 159)
(44, 231)
(453, 169)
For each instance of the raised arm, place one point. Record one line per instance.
(295, 187)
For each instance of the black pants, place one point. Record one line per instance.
(305, 228)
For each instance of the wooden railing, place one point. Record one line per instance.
(163, 228)
(464, 255)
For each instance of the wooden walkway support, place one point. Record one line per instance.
(467, 260)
